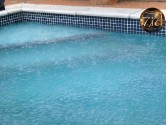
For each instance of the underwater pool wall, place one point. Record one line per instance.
(110, 19)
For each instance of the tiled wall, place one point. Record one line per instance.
(105, 23)
(9, 19)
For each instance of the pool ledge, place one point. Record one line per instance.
(109, 19)
(75, 10)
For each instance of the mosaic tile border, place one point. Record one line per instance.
(125, 25)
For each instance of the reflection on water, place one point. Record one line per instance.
(92, 79)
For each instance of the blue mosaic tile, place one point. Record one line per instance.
(124, 25)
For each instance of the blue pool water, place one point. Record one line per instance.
(61, 75)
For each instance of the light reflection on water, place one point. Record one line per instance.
(112, 79)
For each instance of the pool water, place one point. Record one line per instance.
(62, 75)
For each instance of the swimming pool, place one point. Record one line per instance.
(79, 76)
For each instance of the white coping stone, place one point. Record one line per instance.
(136, 15)
(3, 13)
(28, 7)
(13, 8)
(75, 10)
(55, 9)
(108, 12)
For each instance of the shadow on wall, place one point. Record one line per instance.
(2, 5)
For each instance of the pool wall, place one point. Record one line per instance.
(115, 20)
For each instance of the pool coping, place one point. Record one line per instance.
(75, 10)
(124, 20)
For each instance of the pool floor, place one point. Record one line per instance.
(61, 75)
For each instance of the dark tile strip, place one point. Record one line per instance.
(130, 26)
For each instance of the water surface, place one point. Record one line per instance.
(82, 77)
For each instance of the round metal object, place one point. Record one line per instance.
(152, 19)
